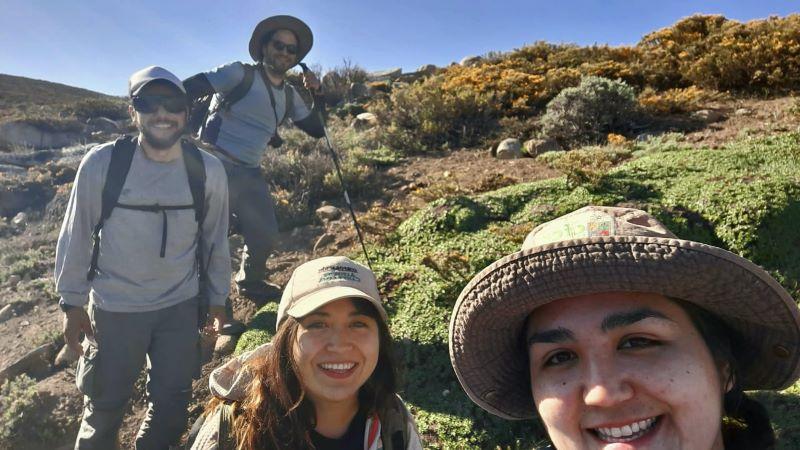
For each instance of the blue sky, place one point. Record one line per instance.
(97, 44)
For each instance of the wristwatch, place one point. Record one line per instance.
(65, 306)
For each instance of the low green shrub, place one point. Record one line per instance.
(18, 399)
(587, 113)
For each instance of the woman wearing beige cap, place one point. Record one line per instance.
(326, 381)
(619, 335)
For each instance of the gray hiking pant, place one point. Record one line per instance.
(168, 340)
(251, 203)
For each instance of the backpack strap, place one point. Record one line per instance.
(395, 426)
(288, 89)
(226, 440)
(121, 157)
(242, 88)
(196, 171)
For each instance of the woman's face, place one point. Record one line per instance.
(623, 371)
(336, 351)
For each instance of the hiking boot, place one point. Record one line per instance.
(233, 327)
(259, 290)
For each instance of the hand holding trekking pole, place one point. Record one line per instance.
(310, 80)
(76, 321)
(215, 321)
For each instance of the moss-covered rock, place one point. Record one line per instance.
(745, 197)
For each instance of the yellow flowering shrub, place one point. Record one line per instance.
(678, 100)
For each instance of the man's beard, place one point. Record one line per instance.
(160, 143)
(277, 67)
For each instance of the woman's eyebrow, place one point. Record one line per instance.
(553, 336)
(626, 318)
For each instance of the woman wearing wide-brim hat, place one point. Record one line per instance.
(613, 331)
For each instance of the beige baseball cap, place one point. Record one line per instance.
(320, 281)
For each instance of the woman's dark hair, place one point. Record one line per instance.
(276, 413)
(746, 424)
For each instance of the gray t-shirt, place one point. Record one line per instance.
(248, 125)
(132, 276)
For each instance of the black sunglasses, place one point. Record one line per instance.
(148, 104)
(280, 46)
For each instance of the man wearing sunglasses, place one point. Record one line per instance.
(137, 266)
(249, 103)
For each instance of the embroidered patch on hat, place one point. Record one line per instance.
(333, 274)
(585, 224)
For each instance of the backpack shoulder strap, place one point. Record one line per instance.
(226, 440)
(196, 171)
(118, 167)
(395, 426)
(243, 87)
(289, 91)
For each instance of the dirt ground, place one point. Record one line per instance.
(417, 180)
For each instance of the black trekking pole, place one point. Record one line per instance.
(335, 158)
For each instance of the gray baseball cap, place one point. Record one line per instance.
(143, 77)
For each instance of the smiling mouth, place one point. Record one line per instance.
(626, 433)
(338, 370)
(164, 125)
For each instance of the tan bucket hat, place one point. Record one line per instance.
(305, 39)
(323, 280)
(605, 249)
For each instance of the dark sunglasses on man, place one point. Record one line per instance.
(280, 46)
(148, 104)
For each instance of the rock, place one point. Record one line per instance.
(534, 147)
(14, 280)
(6, 313)
(509, 149)
(446, 174)
(359, 91)
(225, 345)
(383, 75)
(644, 137)
(20, 219)
(24, 134)
(102, 125)
(427, 69)
(25, 323)
(66, 357)
(35, 363)
(470, 61)
(364, 121)
(743, 112)
(323, 241)
(708, 115)
(328, 212)
(12, 170)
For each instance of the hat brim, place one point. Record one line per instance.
(486, 343)
(305, 39)
(322, 297)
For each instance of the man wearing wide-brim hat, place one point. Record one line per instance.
(249, 103)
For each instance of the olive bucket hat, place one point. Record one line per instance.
(305, 39)
(607, 249)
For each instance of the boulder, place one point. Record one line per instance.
(20, 219)
(102, 125)
(328, 212)
(427, 69)
(708, 115)
(23, 134)
(225, 345)
(535, 147)
(509, 149)
(364, 121)
(469, 61)
(383, 75)
(743, 112)
(35, 363)
(359, 91)
(323, 241)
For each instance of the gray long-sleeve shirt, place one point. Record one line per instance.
(131, 275)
